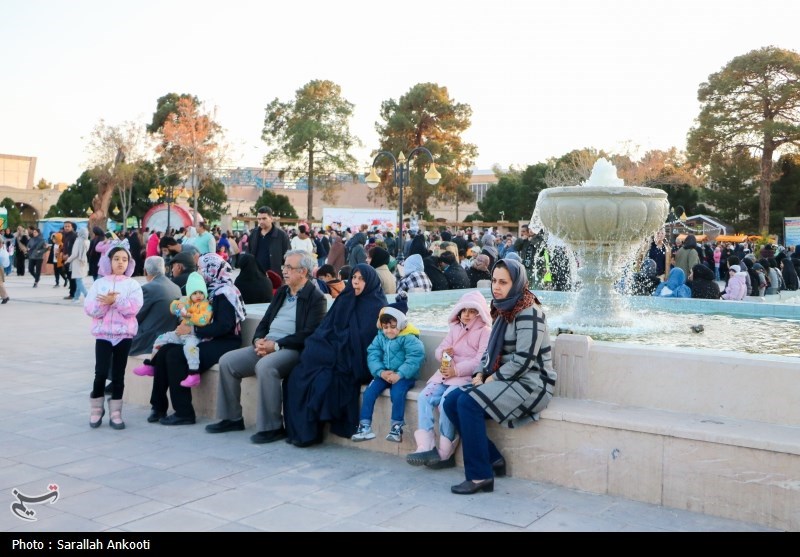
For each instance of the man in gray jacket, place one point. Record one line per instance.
(154, 318)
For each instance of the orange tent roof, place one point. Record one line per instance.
(700, 238)
(731, 238)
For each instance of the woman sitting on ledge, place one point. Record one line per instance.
(222, 335)
(513, 383)
(326, 385)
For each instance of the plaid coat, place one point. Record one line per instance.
(524, 383)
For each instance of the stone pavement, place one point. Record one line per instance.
(151, 478)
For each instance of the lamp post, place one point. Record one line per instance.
(401, 174)
(167, 191)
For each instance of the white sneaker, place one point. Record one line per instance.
(364, 433)
(395, 434)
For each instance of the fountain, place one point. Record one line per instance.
(603, 222)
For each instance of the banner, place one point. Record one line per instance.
(791, 231)
(3, 218)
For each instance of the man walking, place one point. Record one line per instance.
(67, 241)
(296, 310)
(268, 243)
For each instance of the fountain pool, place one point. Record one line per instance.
(660, 327)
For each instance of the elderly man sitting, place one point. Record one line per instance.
(183, 265)
(154, 318)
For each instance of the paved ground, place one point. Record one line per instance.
(151, 478)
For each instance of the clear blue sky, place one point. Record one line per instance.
(541, 78)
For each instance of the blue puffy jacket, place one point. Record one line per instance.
(403, 354)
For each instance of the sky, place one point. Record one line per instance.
(542, 78)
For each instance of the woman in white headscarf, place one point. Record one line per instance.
(190, 237)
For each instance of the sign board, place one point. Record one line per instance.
(3, 218)
(382, 219)
(791, 231)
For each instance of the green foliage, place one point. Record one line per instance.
(474, 217)
(786, 190)
(732, 189)
(166, 105)
(310, 135)
(74, 201)
(427, 117)
(752, 103)
(14, 214)
(515, 193)
(280, 204)
(212, 201)
(145, 178)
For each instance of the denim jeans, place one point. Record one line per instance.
(432, 396)
(397, 392)
(80, 288)
(470, 421)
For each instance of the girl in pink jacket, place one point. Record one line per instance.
(113, 302)
(460, 353)
(737, 285)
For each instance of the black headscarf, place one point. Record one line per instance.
(325, 384)
(254, 285)
(378, 256)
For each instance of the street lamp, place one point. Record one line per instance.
(401, 174)
(167, 191)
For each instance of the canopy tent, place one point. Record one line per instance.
(700, 238)
(734, 238)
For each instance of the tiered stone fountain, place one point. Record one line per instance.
(603, 222)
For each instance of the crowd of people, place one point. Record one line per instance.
(311, 361)
(713, 270)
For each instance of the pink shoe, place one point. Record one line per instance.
(144, 370)
(192, 380)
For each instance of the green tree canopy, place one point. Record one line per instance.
(280, 204)
(786, 190)
(14, 215)
(732, 189)
(515, 193)
(752, 103)
(74, 201)
(427, 117)
(166, 105)
(310, 134)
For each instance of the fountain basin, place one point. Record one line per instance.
(592, 216)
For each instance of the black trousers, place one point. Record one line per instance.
(35, 267)
(171, 368)
(73, 286)
(19, 263)
(108, 356)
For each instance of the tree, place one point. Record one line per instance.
(572, 168)
(165, 106)
(145, 178)
(786, 198)
(114, 153)
(191, 146)
(732, 190)
(280, 204)
(311, 134)
(515, 193)
(212, 204)
(13, 213)
(752, 103)
(78, 197)
(427, 117)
